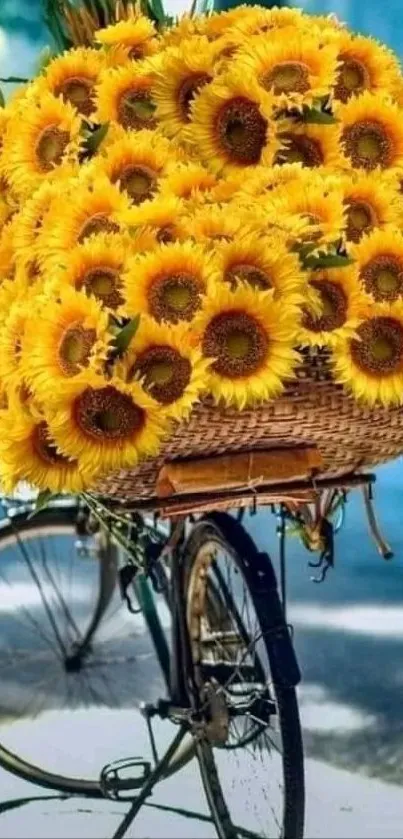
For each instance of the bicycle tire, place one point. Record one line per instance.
(59, 519)
(225, 531)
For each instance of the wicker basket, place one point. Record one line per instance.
(312, 411)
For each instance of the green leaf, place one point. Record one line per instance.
(327, 260)
(157, 10)
(42, 501)
(126, 334)
(93, 140)
(2, 100)
(315, 116)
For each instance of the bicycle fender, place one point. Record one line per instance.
(282, 657)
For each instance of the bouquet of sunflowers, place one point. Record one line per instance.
(192, 211)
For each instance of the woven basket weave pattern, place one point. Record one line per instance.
(313, 410)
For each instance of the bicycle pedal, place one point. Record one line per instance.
(117, 780)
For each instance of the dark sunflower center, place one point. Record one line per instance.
(251, 274)
(107, 414)
(333, 302)
(105, 284)
(79, 91)
(166, 234)
(165, 372)
(241, 130)
(353, 77)
(287, 77)
(379, 349)
(383, 277)
(368, 145)
(45, 449)
(175, 297)
(98, 223)
(237, 342)
(187, 91)
(136, 52)
(50, 147)
(139, 181)
(300, 149)
(75, 349)
(136, 109)
(361, 218)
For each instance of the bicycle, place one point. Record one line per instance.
(228, 679)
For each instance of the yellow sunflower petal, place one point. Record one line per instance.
(161, 216)
(249, 338)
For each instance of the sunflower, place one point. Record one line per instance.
(231, 124)
(29, 453)
(265, 179)
(73, 76)
(12, 330)
(270, 20)
(263, 263)
(29, 219)
(189, 181)
(370, 201)
(340, 299)
(137, 36)
(370, 365)
(7, 251)
(371, 132)
(293, 69)
(212, 224)
(169, 283)
(218, 23)
(106, 423)
(97, 207)
(364, 64)
(311, 145)
(180, 75)
(137, 162)
(162, 216)
(42, 142)
(96, 267)
(380, 262)
(318, 199)
(125, 96)
(249, 338)
(185, 27)
(170, 368)
(73, 336)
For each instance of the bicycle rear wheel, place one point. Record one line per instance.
(250, 750)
